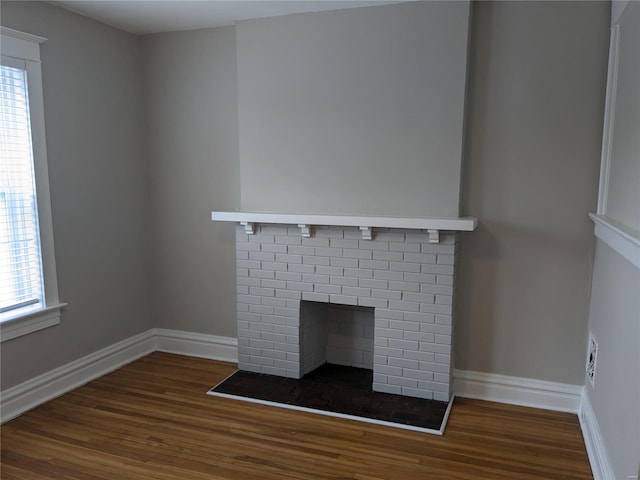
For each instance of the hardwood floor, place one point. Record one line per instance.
(152, 420)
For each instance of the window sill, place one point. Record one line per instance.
(30, 322)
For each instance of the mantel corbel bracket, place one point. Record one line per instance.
(305, 230)
(367, 233)
(434, 236)
(249, 227)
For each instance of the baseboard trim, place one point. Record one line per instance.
(16, 400)
(526, 392)
(593, 441)
(197, 345)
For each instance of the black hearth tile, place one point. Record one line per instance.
(337, 389)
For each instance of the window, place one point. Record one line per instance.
(28, 284)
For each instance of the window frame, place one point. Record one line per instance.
(25, 46)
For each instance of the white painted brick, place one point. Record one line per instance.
(344, 262)
(325, 232)
(419, 317)
(421, 278)
(313, 278)
(404, 286)
(249, 247)
(301, 250)
(242, 272)
(293, 357)
(379, 378)
(356, 291)
(404, 306)
(343, 299)
(275, 320)
(315, 297)
(441, 377)
(315, 241)
(388, 314)
(261, 344)
(419, 257)
(438, 248)
(348, 281)
(288, 258)
(248, 317)
(433, 386)
(248, 299)
(404, 363)
(242, 255)
(242, 289)
(262, 273)
(420, 356)
(274, 248)
(291, 276)
(417, 297)
(403, 381)
(387, 255)
(276, 266)
(288, 347)
(335, 289)
(387, 370)
(383, 388)
(357, 253)
(404, 344)
(381, 342)
(375, 264)
(265, 292)
(274, 337)
(415, 392)
(436, 289)
(287, 364)
(272, 229)
(418, 237)
(373, 245)
(437, 309)
(380, 359)
(358, 272)
(442, 329)
(437, 269)
(389, 333)
(250, 367)
(280, 372)
(444, 339)
(286, 312)
(417, 374)
(443, 358)
(386, 294)
(242, 307)
(262, 256)
(328, 252)
(443, 319)
(262, 327)
(373, 302)
(419, 336)
(389, 352)
(435, 348)
(393, 236)
(386, 275)
(299, 268)
(287, 240)
(371, 283)
(343, 243)
(293, 295)
(444, 300)
(404, 325)
(446, 259)
(444, 280)
(243, 342)
(324, 270)
(248, 333)
(285, 330)
(259, 238)
(352, 233)
(313, 260)
(262, 360)
(268, 283)
(441, 396)
(404, 247)
(251, 351)
(404, 267)
(248, 264)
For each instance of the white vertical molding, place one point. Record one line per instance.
(593, 441)
(609, 114)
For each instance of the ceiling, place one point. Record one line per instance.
(154, 16)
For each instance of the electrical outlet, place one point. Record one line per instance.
(591, 359)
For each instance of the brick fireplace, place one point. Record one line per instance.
(375, 298)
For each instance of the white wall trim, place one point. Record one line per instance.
(18, 399)
(623, 240)
(526, 392)
(596, 451)
(197, 345)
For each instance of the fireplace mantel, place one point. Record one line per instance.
(364, 223)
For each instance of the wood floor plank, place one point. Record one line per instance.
(153, 419)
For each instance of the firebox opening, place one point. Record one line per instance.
(336, 334)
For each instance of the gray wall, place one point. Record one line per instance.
(353, 111)
(92, 90)
(192, 142)
(534, 128)
(614, 320)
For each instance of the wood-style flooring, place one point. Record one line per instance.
(152, 420)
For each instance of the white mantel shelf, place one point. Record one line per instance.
(365, 223)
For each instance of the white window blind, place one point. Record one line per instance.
(21, 284)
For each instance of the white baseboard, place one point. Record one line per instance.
(16, 400)
(517, 391)
(598, 458)
(197, 345)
